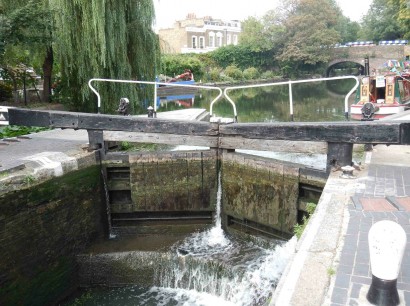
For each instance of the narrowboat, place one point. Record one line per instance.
(379, 96)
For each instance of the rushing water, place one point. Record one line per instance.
(212, 267)
(208, 268)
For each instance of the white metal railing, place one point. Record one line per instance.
(155, 91)
(290, 91)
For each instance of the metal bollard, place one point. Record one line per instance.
(387, 241)
(150, 112)
(124, 107)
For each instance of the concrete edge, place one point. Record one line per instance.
(313, 250)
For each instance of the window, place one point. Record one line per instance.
(228, 39)
(194, 42)
(211, 39)
(235, 39)
(201, 42)
(218, 39)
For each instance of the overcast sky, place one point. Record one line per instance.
(168, 11)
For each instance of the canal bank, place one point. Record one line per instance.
(320, 252)
(331, 265)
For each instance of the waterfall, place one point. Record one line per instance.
(234, 271)
(206, 268)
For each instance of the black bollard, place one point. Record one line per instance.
(387, 241)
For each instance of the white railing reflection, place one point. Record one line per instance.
(289, 83)
(156, 84)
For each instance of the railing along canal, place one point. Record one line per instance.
(156, 84)
(290, 82)
(225, 92)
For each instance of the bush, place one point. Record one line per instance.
(268, 75)
(214, 75)
(251, 73)
(6, 91)
(175, 64)
(234, 72)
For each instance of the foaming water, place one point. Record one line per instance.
(239, 273)
(209, 268)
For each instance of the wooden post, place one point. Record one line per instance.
(338, 154)
(96, 141)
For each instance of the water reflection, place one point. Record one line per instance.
(317, 101)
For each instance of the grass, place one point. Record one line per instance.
(299, 228)
(15, 130)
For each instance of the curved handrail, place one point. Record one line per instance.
(290, 90)
(152, 83)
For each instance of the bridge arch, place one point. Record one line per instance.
(336, 62)
(377, 55)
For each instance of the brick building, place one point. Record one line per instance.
(199, 35)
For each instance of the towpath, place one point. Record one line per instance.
(332, 263)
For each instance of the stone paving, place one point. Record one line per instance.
(384, 196)
(331, 265)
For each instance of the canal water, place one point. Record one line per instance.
(213, 267)
(207, 268)
(312, 102)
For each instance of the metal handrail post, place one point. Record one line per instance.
(155, 91)
(346, 102)
(290, 100)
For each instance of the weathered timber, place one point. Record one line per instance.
(377, 132)
(26, 117)
(170, 139)
(273, 145)
(58, 119)
(339, 155)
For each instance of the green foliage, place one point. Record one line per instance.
(29, 179)
(251, 73)
(214, 75)
(6, 91)
(105, 39)
(14, 130)
(175, 64)
(234, 72)
(82, 300)
(264, 34)
(348, 30)
(310, 34)
(331, 271)
(299, 228)
(242, 56)
(30, 24)
(267, 75)
(386, 20)
(134, 147)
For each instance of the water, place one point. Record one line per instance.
(208, 268)
(313, 102)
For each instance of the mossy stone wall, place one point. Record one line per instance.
(260, 190)
(167, 181)
(42, 227)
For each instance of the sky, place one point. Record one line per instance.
(168, 11)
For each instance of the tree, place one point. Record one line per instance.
(382, 21)
(348, 30)
(28, 27)
(310, 32)
(105, 39)
(263, 35)
(403, 16)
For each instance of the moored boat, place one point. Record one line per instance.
(379, 96)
